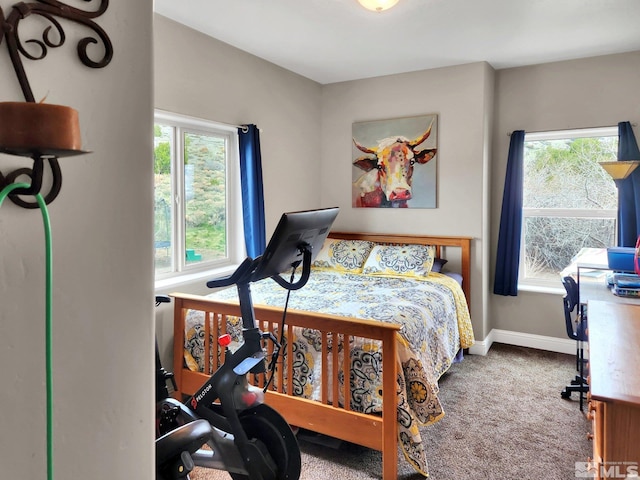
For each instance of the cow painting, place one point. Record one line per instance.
(387, 170)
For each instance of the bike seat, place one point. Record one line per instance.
(162, 299)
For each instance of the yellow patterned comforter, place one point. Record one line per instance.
(436, 325)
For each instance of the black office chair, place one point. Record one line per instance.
(576, 324)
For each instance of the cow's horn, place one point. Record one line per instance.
(364, 149)
(424, 136)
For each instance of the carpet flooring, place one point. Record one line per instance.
(504, 420)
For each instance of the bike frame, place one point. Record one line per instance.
(221, 399)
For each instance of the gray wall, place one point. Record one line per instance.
(307, 135)
(592, 92)
(103, 269)
(102, 223)
(462, 97)
(199, 76)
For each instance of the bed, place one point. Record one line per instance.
(394, 308)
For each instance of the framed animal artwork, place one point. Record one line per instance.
(394, 163)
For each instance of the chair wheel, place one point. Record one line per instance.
(564, 394)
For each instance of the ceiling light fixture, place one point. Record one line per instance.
(377, 5)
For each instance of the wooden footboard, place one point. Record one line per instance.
(326, 417)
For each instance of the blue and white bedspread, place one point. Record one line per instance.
(435, 323)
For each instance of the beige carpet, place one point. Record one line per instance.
(504, 420)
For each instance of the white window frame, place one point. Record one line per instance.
(530, 283)
(181, 271)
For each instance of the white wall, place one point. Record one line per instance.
(592, 92)
(103, 268)
(459, 95)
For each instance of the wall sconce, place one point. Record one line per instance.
(41, 131)
(620, 169)
(377, 5)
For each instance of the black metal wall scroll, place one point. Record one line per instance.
(53, 36)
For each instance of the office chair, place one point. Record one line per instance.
(576, 325)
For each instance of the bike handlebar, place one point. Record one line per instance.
(244, 270)
(244, 273)
(302, 281)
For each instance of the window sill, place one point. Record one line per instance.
(189, 279)
(541, 289)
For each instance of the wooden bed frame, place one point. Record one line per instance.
(379, 432)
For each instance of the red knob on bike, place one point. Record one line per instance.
(249, 398)
(224, 340)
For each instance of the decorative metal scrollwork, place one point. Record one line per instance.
(53, 36)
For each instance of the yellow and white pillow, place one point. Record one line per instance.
(343, 255)
(403, 260)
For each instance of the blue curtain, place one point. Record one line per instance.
(508, 254)
(252, 190)
(628, 189)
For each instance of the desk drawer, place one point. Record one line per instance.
(596, 415)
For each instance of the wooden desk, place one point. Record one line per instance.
(590, 268)
(614, 384)
(596, 289)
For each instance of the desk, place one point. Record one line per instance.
(590, 267)
(596, 289)
(614, 405)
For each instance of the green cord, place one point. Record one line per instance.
(48, 334)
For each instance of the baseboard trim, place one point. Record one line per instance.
(481, 347)
(541, 342)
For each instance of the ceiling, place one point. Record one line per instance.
(337, 40)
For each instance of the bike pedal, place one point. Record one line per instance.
(182, 467)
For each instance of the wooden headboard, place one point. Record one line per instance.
(464, 243)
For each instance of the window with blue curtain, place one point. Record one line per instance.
(508, 253)
(628, 189)
(252, 190)
(195, 164)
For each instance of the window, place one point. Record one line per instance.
(569, 201)
(196, 222)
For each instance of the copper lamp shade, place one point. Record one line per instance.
(620, 169)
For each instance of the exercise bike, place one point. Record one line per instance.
(248, 438)
(175, 446)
